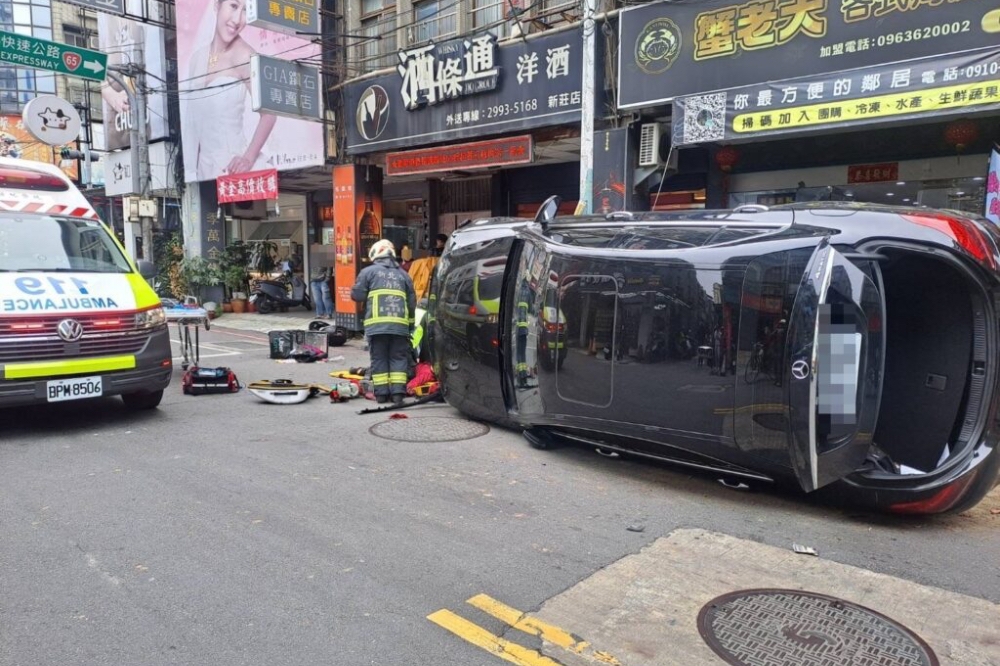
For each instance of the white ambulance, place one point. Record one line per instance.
(77, 319)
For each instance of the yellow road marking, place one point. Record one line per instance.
(536, 627)
(528, 625)
(473, 633)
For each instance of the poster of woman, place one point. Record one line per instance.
(221, 134)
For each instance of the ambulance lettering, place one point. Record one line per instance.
(39, 294)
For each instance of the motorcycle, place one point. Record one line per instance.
(285, 292)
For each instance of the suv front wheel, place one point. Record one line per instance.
(140, 401)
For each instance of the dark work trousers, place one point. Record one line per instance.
(390, 359)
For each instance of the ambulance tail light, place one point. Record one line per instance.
(21, 178)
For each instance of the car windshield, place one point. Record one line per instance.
(42, 243)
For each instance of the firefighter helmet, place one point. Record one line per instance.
(382, 248)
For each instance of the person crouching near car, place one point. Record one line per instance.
(390, 306)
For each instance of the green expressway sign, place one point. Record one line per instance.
(42, 54)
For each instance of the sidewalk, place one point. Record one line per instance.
(254, 321)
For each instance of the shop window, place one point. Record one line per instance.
(488, 16)
(433, 20)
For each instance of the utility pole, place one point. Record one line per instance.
(587, 108)
(138, 138)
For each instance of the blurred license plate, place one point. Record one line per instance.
(74, 389)
(840, 363)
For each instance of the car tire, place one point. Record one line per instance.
(142, 401)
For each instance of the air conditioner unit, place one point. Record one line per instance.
(93, 43)
(649, 145)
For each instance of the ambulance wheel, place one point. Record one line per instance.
(140, 401)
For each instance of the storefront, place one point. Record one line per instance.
(470, 128)
(862, 101)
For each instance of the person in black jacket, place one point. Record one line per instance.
(390, 306)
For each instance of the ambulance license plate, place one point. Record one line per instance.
(74, 389)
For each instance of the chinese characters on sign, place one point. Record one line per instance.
(512, 150)
(436, 72)
(873, 173)
(671, 49)
(285, 88)
(951, 84)
(466, 89)
(756, 25)
(288, 16)
(250, 186)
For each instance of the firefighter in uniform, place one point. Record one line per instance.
(390, 304)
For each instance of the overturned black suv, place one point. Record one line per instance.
(818, 343)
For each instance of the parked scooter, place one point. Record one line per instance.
(287, 291)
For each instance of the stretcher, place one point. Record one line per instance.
(188, 320)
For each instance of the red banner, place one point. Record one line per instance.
(512, 150)
(250, 186)
(873, 173)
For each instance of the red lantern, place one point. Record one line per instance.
(727, 157)
(961, 133)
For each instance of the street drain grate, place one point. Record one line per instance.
(428, 429)
(777, 627)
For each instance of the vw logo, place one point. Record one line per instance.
(800, 369)
(70, 330)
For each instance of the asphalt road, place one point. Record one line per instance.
(220, 530)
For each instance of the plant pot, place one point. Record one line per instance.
(228, 307)
(239, 306)
(251, 307)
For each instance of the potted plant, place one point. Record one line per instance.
(235, 261)
(198, 274)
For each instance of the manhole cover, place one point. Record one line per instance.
(428, 429)
(776, 627)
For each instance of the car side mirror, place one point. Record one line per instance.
(146, 269)
(547, 211)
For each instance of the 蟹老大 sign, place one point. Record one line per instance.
(464, 89)
(670, 49)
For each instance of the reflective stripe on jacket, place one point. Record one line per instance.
(387, 292)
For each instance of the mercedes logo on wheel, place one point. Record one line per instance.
(70, 330)
(800, 369)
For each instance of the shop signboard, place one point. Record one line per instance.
(993, 187)
(119, 179)
(252, 186)
(476, 155)
(222, 133)
(357, 224)
(669, 49)
(16, 141)
(886, 172)
(288, 16)
(930, 88)
(123, 39)
(110, 6)
(467, 88)
(285, 88)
